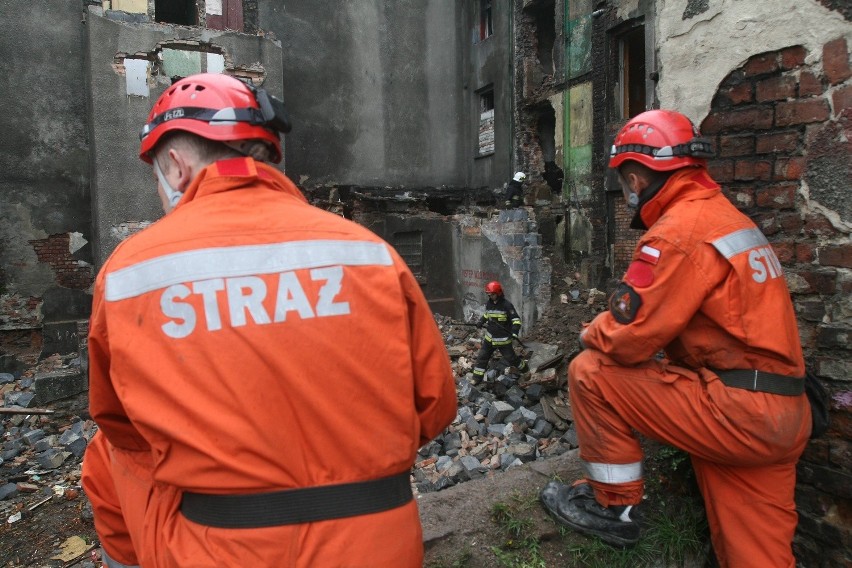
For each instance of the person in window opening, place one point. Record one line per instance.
(706, 288)
(232, 343)
(502, 326)
(515, 191)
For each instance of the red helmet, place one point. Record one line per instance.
(216, 107)
(662, 140)
(493, 288)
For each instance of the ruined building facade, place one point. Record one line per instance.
(410, 115)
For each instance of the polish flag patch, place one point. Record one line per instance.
(649, 254)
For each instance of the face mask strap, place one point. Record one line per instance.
(171, 194)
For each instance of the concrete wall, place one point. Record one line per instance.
(44, 185)
(375, 90)
(124, 196)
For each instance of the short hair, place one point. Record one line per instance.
(634, 167)
(205, 150)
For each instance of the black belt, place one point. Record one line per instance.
(761, 381)
(295, 506)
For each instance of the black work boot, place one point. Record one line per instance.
(577, 508)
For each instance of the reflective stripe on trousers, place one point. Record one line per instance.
(613, 473)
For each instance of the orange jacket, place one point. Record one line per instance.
(704, 286)
(250, 342)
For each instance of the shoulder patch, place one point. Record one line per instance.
(639, 274)
(624, 303)
(649, 254)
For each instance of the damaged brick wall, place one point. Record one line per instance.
(56, 251)
(783, 132)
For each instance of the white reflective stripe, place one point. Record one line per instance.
(614, 472)
(227, 262)
(740, 241)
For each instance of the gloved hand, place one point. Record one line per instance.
(479, 325)
(515, 335)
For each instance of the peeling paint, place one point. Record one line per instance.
(76, 242)
(695, 55)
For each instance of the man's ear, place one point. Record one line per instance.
(183, 167)
(636, 182)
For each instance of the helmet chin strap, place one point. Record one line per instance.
(171, 194)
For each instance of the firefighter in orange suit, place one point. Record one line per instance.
(704, 288)
(262, 371)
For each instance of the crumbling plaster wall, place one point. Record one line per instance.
(124, 197)
(44, 186)
(696, 50)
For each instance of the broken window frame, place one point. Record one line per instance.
(627, 78)
(486, 19)
(409, 245)
(486, 113)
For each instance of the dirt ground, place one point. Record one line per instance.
(460, 528)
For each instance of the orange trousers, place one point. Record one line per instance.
(744, 447)
(139, 523)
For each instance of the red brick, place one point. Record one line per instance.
(721, 170)
(836, 255)
(742, 93)
(789, 168)
(761, 64)
(816, 225)
(842, 99)
(741, 196)
(777, 196)
(805, 252)
(785, 251)
(821, 281)
(790, 223)
(809, 84)
(835, 61)
(793, 57)
(747, 170)
(755, 118)
(736, 145)
(777, 142)
(802, 112)
(776, 89)
(767, 223)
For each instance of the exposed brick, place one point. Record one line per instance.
(753, 118)
(805, 252)
(836, 255)
(842, 99)
(721, 170)
(785, 251)
(736, 145)
(802, 112)
(747, 170)
(789, 168)
(820, 281)
(835, 61)
(790, 223)
(793, 57)
(816, 225)
(739, 94)
(761, 64)
(741, 197)
(777, 196)
(777, 142)
(809, 84)
(776, 89)
(767, 223)
(834, 337)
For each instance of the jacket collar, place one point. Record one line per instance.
(687, 184)
(236, 173)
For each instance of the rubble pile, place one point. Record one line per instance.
(504, 421)
(42, 448)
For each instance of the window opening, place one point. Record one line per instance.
(486, 123)
(632, 72)
(180, 12)
(409, 245)
(486, 27)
